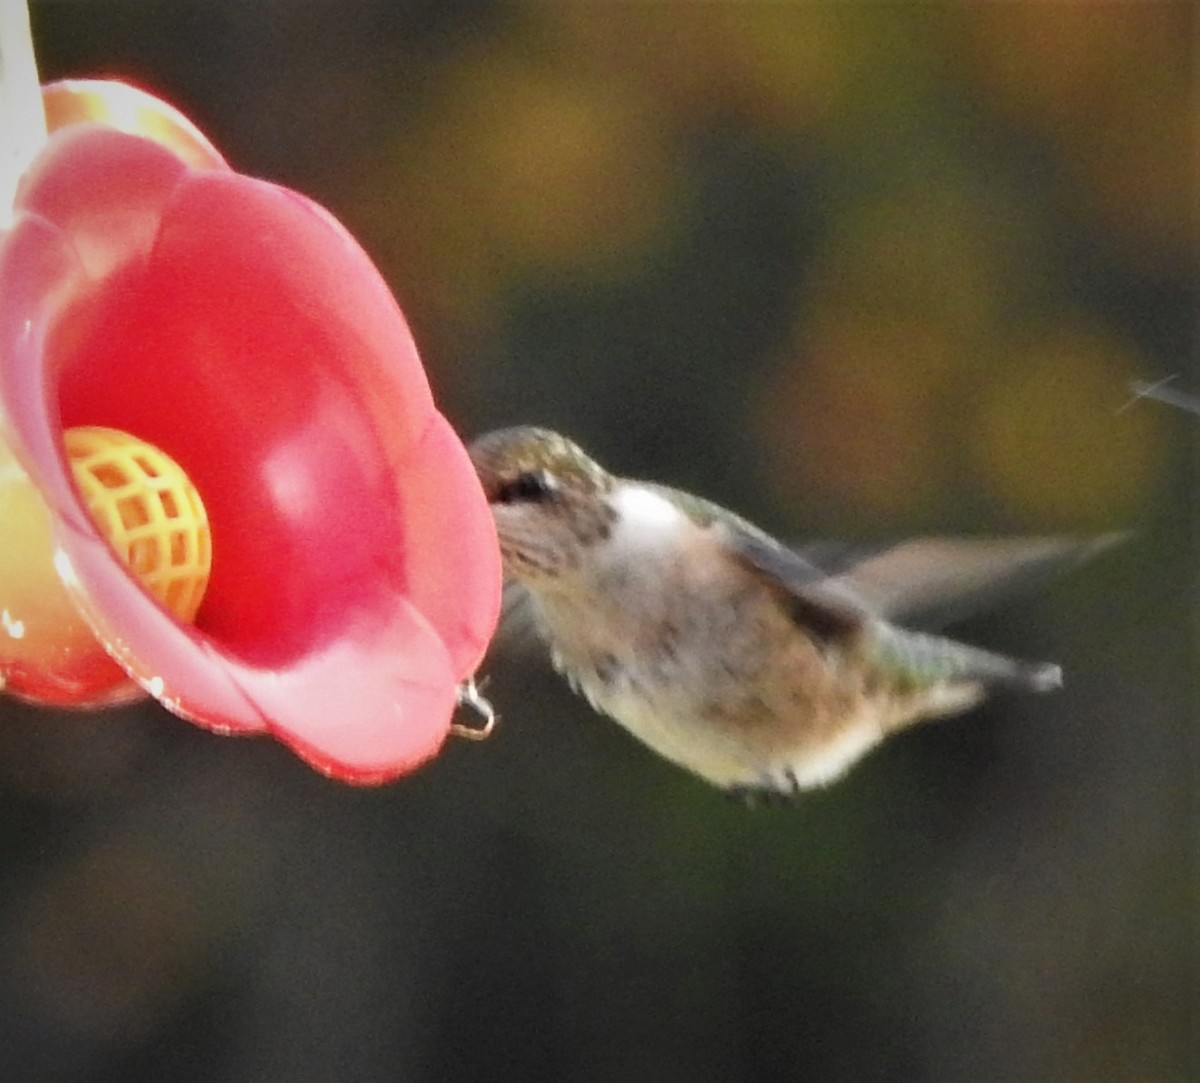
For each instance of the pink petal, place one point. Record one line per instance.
(105, 191)
(356, 574)
(453, 561)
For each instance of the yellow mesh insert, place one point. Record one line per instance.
(149, 511)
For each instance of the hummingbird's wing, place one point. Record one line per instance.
(825, 606)
(923, 582)
(820, 605)
(932, 582)
(852, 610)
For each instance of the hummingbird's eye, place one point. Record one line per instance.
(530, 487)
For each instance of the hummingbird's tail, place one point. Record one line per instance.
(918, 659)
(1032, 676)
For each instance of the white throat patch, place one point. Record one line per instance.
(646, 518)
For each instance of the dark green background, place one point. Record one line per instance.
(856, 269)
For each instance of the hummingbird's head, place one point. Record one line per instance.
(548, 498)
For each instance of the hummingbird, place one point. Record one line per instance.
(764, 669)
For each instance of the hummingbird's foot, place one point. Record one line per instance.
(468, 695)
(747, 796)
(774, 791)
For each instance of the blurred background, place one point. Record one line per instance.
(854, 269)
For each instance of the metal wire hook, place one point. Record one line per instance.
(468, 695)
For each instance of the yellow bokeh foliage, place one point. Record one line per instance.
(1051, 442)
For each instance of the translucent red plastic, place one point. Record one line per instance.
(235, 325)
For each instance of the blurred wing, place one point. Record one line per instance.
(822, 606)
(925, 582)
(931, 582)
(827, 610)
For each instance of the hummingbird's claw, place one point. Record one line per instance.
(774, 791)
(747, 796)
(468, 695)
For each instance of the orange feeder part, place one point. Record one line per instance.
(148, 510)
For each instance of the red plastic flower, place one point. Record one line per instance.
(235, 325)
